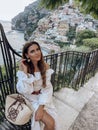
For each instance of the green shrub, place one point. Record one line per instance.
(92, 43)
(84, 34)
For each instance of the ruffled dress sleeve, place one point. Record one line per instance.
(47, 92)
(25, 83)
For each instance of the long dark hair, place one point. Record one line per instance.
(41, 63)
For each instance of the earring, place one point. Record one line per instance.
(28, 59)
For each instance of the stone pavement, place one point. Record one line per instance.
(78, 110)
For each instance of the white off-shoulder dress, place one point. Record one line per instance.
(27, 84)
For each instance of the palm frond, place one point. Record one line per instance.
(51, 4)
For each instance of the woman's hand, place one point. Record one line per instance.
(39, 113)
(23, 66)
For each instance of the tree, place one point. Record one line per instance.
(51, 4)
(71, 33)
(89, 6)
(84, 34)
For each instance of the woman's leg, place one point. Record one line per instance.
(48, 121)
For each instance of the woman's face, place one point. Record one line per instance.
(34, 53)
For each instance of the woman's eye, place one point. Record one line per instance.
(32, 51)
(37, 49)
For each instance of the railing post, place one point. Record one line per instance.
(85, 68)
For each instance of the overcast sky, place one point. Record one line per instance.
(10, 8)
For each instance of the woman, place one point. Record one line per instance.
(34, 83)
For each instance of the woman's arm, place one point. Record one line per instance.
(25, 84)
(25, 80)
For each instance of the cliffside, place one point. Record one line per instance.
(53, 29)
(27, 20)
